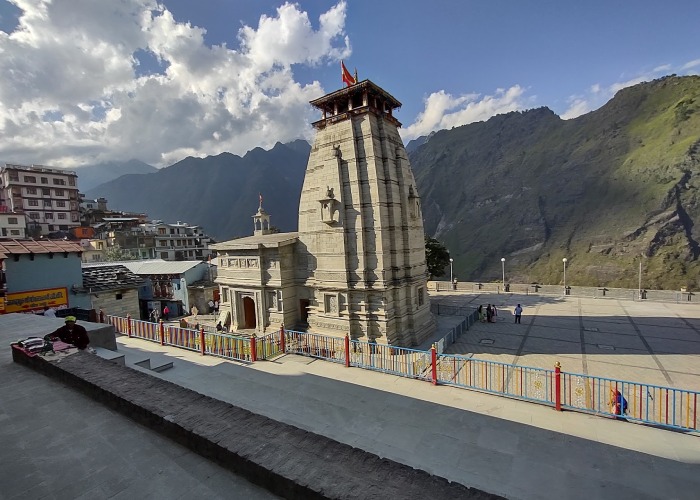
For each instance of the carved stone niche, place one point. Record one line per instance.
(329, 207)
(413, 203)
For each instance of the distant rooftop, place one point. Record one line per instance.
(110, 277)
(151, 266)
(18, 247)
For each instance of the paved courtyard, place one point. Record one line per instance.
(648, 342)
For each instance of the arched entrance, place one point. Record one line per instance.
(249, 319)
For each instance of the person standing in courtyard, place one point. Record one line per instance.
(489, 313)
(166, 312)
(518, 312)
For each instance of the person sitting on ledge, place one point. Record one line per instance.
(70, 333)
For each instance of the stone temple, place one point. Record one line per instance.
(357, 263)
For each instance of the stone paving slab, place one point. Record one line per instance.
(610, 335)
(285, 459)
(493, 443)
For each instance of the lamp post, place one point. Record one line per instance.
(503, 269)
(451, 261)
(564, 261)
(640, 278)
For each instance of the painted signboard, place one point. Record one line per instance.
(36, 300)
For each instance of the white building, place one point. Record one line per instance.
(13, 225)
(179, 241)
(47, 196)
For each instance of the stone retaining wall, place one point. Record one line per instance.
(574, 291)
(286, 460)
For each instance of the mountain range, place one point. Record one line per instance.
(218, 192)
(606, 190)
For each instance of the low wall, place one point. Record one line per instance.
(286, 460)
(574, 291)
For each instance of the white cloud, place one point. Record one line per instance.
(691, 64)
(442, 110)
(70, 92)
(664, 68)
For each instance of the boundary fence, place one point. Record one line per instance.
(655, 405)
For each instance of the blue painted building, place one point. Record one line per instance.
(40, 273)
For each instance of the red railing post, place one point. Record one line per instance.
(128, 325)
(102, 316)
(557, 386)
(253, 349)
(202, 345)
(161, 332)
(433, 362)
(283, 346)
(347, 351)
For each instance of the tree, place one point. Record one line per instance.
(436, 257)
(116, 253)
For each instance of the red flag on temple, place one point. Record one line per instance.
(260, 198)
(348, 79)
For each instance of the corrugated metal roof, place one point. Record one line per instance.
(249, 242)
(18, 247)
(150, 266)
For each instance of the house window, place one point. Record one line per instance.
(118, 296)
(14, 232)
(30, 178)
(224, 295)
(31, 190)
(47, 203)
(163, 243)
(46, 191)
(61, 216)
(100, 245)
(163, 255)
(14, 177)
(33, 203)
(34, 215)
(48, 216)
(61, 203)
(421, 297)
(44, 180)
(161, 230)
(59, 192)
(59, 182)
(74, 217)
(12, 220)
(71, 181)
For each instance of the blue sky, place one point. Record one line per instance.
(94, 81)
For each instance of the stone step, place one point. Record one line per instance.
(155, 364)
(109, 355)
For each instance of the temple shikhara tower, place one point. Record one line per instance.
(357, 264)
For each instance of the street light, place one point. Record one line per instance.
(640, 278)
(503, 269)
(564, 261)
(451, 261)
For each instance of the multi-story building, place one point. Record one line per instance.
(13, 225)
(179, 241)
(48, 197)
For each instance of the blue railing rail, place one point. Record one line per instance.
(656, 405)
(648, 403)
(401, 361)
(515, 381)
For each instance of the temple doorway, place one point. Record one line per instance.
(249, 320)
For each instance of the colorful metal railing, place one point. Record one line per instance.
(401, 361)
(316, 346)
(228, 346)
(521, 382)
(651, 404)
(270, 345)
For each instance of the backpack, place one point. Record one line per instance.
(624, 405)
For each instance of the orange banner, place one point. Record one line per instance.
(35, 300)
